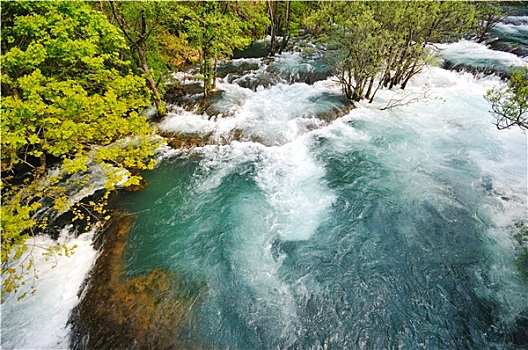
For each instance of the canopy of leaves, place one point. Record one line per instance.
(66, 95)
(157, 42)
(163, 36)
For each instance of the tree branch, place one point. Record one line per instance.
(121, 24)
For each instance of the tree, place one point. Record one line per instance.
(279, 16)
(67, 98)
(139, 22)
(352, 35)
(510, 105)
(216, 28)
(410, 26)
(384, 41)
(488, 14)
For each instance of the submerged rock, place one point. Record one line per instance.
(273, 76)
(184, 95)
(500, 45)
(144, 312)
(236, 68)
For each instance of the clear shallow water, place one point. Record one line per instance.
(382, 229)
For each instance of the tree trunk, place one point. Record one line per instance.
(160, 104)
(369, 90)
(272, 13)
(139, 46)
(286, 37)
(213, 84)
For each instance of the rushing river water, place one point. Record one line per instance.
(378, 229)
(381, 229)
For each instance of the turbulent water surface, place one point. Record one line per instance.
(381, 228)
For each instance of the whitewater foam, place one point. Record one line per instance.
(475, 54)
(455, 156)
(39, 321)
(294, 186)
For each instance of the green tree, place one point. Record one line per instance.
(156, 39)
(351, 34)
(67, 97)
(284, 21)
(509, 105)
(384, 41)
(488, 14)
(410, 26)
(216, 28)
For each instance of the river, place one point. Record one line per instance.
(380, 228)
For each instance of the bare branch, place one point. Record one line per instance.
(405, 100)
(121, 24)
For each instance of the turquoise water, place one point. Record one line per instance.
(381, 229)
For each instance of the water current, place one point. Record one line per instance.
(382, 228)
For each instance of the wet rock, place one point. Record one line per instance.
(208, 105)
(190, 98)
(500, 45)
(476, 70)
(307, 77)
(271, 78)
(187, 141)
(336, 112)
(487, 183)
(236, 68)
(184, 95)
(253, 83)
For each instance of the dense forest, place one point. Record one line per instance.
(84, 83)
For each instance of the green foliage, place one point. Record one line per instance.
(509, 104)
(384, 41)
(142, 23)
(488, 13)
(66, 95)
(163, 36)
